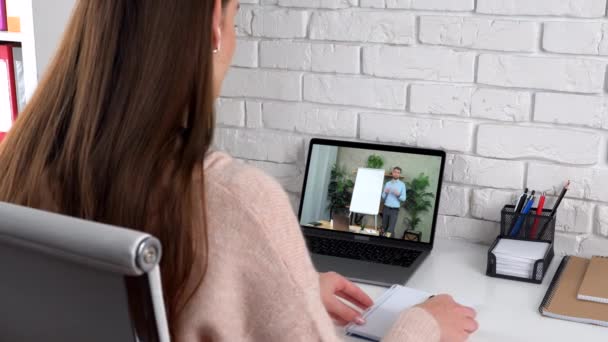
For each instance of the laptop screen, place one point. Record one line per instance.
(379, 191)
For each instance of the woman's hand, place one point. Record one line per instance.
(456, 322)
(333, 286)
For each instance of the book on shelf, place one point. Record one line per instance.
(3, 17)
(8, 89)
(14, 9)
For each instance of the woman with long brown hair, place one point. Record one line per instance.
(119, 132)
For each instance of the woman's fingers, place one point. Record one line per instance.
(353, 293)
(345, 312)
(337, 320)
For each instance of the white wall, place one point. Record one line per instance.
(50, 19)
(514, 90)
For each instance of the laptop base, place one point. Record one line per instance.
(365, 271)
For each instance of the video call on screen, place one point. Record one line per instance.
(371, 192)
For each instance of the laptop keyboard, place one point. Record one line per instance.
(362, 251)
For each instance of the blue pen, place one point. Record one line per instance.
(524, 212)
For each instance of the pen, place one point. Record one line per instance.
(524, 213)
(521, 201)
(518, 206)
(539, 212)
(554, 210)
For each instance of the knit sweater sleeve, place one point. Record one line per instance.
(274, 293)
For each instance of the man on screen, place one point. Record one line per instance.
(393, 195)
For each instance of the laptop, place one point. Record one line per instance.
(369, 211)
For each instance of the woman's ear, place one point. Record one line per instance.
(216, 29)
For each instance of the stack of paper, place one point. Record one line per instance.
(517, 257)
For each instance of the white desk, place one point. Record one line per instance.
(507, 310)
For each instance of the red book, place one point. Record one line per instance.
(8, 89)
(3, 16)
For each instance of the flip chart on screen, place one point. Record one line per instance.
(367, 191)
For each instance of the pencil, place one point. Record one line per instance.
(554, 210)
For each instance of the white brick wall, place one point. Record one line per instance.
(310, 119)
(230, 112)
(561, 74)
(446, 5)
(479, 33)
(570, 109)
(318, 3)
(576, 38)
(355, 91)
(498, 104)
(367, 26)
(424, 63)
(441, 99)
(570, 8)
(431, 133)
(484, 172)
(246, 54)
(601, 220)
(336, 58)
(487, 204)
(513, 90)
(454, 201)
(560, 145)
(279, 54)
(268, 84)
(279, 23)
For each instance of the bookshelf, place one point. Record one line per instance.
(11, 37)
(42, 24)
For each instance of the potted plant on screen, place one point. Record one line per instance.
(339, 193)
(375, 161)
(418, 200)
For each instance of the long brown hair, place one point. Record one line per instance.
(119, 123)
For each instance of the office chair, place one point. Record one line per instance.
(67, 279)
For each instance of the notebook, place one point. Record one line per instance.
(383, 314)
(561, 298)
(8, 90)
(595, 283)
(3, 18)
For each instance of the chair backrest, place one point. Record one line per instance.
(67, 279)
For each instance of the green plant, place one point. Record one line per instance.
(340, 189)
(418, 200)
(375, 162)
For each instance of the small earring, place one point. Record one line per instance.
(219, 42)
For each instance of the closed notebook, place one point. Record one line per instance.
(8, 89)
(3, 18)
(561, 298)
(595, 283)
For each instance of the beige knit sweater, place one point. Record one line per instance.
(260, 283)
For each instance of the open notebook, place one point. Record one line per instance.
(383, 314)
(595, 283)
(561, 298)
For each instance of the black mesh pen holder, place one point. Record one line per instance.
(529, 227)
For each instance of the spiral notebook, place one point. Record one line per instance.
(561, 298)
(595, 283)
